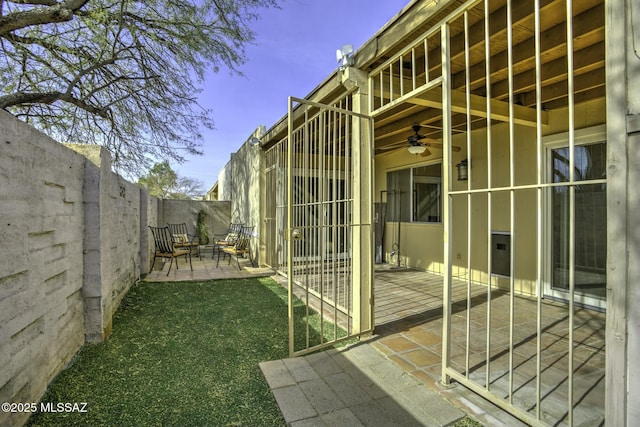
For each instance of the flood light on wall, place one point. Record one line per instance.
(344, 56)
(463, 170)
(253, 141)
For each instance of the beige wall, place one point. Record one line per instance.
(240, 183)
(421, 245)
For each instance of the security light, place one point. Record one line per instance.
(344, 56)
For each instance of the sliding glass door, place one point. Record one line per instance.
(589, 217)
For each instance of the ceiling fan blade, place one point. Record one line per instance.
(426, 152)
(440, 146)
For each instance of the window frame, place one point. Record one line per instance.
(426, 179)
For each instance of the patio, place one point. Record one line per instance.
(204, 268)
(409, 332)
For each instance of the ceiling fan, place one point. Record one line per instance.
(422, 148)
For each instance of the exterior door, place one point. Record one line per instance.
(328, 235)
(589, 216)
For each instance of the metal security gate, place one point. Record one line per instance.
(527, 221)
(326, 235)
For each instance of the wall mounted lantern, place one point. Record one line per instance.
(463, 170)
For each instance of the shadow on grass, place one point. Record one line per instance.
(181, 354)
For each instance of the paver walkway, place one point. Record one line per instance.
(353, 386)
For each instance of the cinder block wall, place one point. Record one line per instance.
(41, 266)
(76, 239)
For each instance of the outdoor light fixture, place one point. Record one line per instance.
(417, 149)
(254, 142)
(344, 56)
(463, 170)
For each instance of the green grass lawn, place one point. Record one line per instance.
(180, 354)
(183, 354)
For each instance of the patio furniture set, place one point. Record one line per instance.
(174, 241)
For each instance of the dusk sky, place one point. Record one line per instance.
(294, 51)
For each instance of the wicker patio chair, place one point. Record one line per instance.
(165, 247)
(240, 248)
(183, 240)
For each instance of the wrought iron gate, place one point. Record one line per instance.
(322, 225)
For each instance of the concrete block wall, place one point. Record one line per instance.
(76, 239)
(41, 267)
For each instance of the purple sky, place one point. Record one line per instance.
(294, 51)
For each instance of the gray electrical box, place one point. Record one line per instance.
(501, 253)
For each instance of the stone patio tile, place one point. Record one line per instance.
(323, 364)
(422, 358)
(341, 417)
(363, 355)
(277, 374)
(398, 344)
(300, 369)
(389, 375)
(402, 362)
(347, 389)
(371, 414)
(293, 403)
(424, 337)
(321, 396)
(310, 422)
(363, 378)
(428, 404)
(400, 414)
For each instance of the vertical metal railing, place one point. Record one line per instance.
(320, 235)
(276, 202)
(539, 207)
(500, 381)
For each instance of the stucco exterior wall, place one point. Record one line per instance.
(186, 211)
(421, 244)
(241, 182)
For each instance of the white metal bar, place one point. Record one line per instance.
(401, 76)
(426, 59)
(391, 97)
(572, 204)
(512, 196)
(335, 222)
(319, 217)
(487, 46)
(413, 70)
(499, 402)
(381, 89)
(539, 201)
(446, 210)
(469, 196)
(532, 186)
(289, 219)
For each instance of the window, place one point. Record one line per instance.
(415, 195)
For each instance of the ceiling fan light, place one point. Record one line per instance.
(417, 149)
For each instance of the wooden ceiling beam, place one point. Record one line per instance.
(478, 107)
